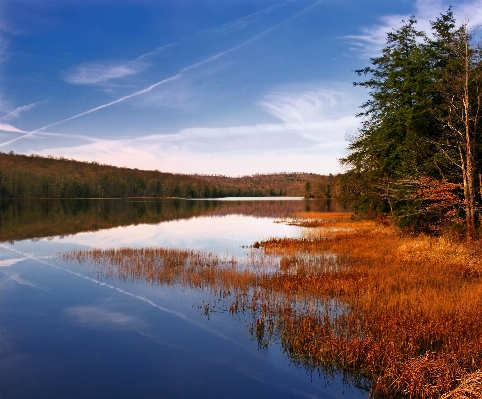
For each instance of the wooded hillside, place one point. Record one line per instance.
(33, 176)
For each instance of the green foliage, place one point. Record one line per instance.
(38, 177)
(408, 132)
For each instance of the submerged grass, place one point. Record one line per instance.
(401, 315)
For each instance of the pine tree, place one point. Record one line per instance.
(421, 122)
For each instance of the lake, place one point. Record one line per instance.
(72, 330)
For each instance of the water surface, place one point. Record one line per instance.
(65, 332)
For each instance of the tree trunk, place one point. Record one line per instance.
(468, 165)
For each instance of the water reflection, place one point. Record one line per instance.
(281, 296)
(29, 219)
(140, 326)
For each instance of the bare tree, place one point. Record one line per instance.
(459, 112)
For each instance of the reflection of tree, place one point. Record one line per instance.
(400, 316)
(23, 219)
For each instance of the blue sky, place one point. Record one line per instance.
(194, 86)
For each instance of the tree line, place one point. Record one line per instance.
(33, 176)
(416, 156)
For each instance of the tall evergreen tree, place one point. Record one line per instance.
(390, 146)
(420, 124)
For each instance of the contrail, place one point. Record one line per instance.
(172, 78)
(119, 100)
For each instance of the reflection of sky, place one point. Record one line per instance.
(257, 199)
(60, 324)
(216, 234)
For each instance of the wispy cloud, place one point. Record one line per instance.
(60, 138)
(169, 79)
(221, 29)
(101, 73)
(119, 100)
(308, 103)
(9, 128)
(314, 120)
(232, 150)
(19, 110)
(6, 29)
(372, 38)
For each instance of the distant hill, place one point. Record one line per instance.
(33, 176)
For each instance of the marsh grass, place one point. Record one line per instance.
(400, 315)
(414, 325)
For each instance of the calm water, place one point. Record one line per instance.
(66, 333)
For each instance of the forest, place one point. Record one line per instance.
(416, 157)
(33, 176)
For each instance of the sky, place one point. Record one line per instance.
(231, 87)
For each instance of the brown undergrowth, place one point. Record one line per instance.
(402, 315)
(414, 325)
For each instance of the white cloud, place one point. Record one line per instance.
(310, 137)
(9, 128)
(18, 111)
(373, 38)
(236, 150)
(5, 30)
(101, 73)
(308, 103)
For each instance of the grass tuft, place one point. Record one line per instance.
(400, 315)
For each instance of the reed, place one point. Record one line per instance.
(469, 388)
(400, 315)
(414, 324)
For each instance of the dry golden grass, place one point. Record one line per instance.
(401, 314)
(469, 388)
(415, 320)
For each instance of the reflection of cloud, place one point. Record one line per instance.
(15, 276)
(98, 73)
(96, 317)
(10, 262)
(19, 280)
